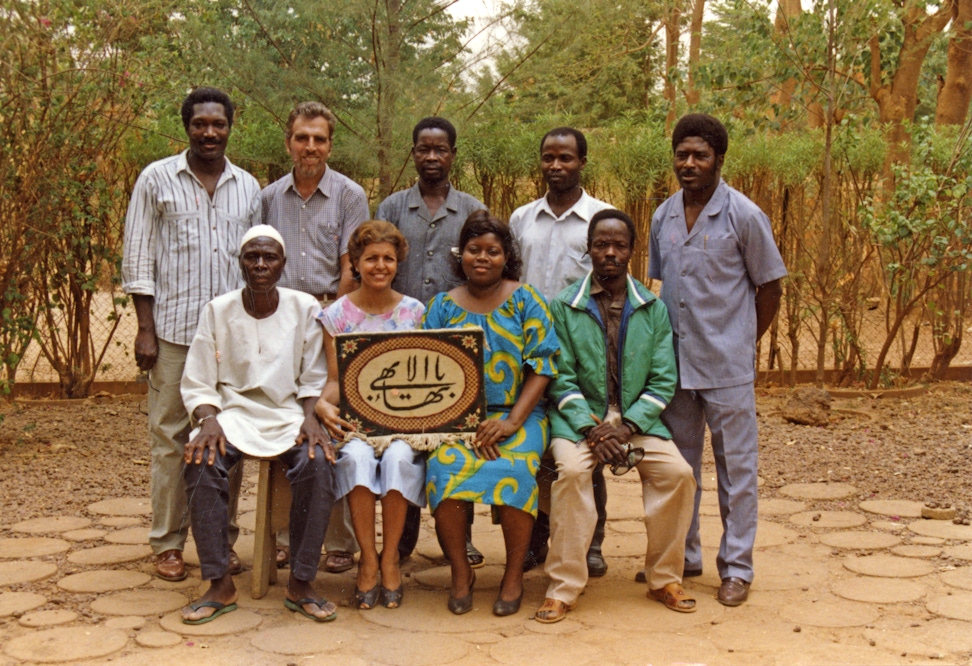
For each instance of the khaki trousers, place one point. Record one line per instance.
(168, 433)
(668, 491)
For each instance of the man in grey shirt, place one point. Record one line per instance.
(316, 209)
(429, 214)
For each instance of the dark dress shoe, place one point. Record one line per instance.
(535, 558)
(235, 565)
(733, 591)
(169, 566)
(596, 566)
(504, 608)
(460, 605)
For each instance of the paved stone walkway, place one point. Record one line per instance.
(839, 581)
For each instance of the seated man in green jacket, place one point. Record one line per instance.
(618, 374)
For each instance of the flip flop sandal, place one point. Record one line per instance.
(675, 597)
(338, 561)
(298, 607)
(553, 611)
(474, 557)
(220, 610)
(366, 600)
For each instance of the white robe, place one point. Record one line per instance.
(256, 370)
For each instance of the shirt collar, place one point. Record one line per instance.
(229, 171)
(324, 185)
(414, 198)
(582, 208)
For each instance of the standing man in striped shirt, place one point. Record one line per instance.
(316, 209)
(185, 221)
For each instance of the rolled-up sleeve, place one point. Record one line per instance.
(141, 235)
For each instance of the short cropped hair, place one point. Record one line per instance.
(435, 122)
(203, 95)
(611, 214)
(704, 126)
(375, 231)
(311, 110)
(568, 131)
(480, 223)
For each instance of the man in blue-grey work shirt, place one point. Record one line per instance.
(713, 249)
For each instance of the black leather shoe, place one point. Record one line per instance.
(733, 591)
(504, 608)
(596, 566)
(535, 558)
(235, 565)
(460, 605)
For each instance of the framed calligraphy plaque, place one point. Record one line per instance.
(425, 387)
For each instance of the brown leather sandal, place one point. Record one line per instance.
(553, 611)
(675, 597)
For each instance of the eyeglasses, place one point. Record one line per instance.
(634, 457)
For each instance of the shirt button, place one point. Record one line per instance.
(215, 250)
(681, 304)
(432, 226)
(303, 254)
(305, 206)
(428, 281)
(431, 253)
(214, 228)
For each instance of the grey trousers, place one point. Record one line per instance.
(312, 487)
(731, 416)
(168, 433)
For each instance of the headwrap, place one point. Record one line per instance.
(266, 231)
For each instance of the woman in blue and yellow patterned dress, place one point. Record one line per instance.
(499, 467)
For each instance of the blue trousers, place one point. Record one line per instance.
(312, 487)
(730, 414)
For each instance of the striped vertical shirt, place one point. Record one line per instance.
(316, 230)
(183, 247)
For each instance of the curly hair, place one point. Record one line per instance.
(203, 95)
(435, 122)
(479, 224)
(568, 131)
(704, 126)
(375, 231)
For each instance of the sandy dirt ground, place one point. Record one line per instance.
(845, 572)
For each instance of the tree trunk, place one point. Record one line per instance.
(692, 94)
(953, 100)
(897, 99)
(387, 64)
(672, 21)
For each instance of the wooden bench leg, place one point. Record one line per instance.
(272, 514)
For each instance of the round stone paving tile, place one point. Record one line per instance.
(122, 506)
(760, 627)
(627, 526)
(831, 613)
(31, 547)
(247, 520)
(139, 602)
(19, 602)
(235, 622)
(819, 491)
(434, 615)
(709, 510)
(929, 639)
(514, 650)
(943, 529)
(960, 578)
(828, 519)
(51, 524)
(664, 648)
(888, 566)
(779, 571)
(900, 508)
(120, 521)
(296, 638)
(248, 503)
(87, 534)
(48, 618)
(158, 639)
(860, 539)
(125, 622)
(887, 525)
(955, 606)
(929, 541)
(878, 591)
(109, 554)
(129, 535)
(780, 507)
(768, 534)
(107, 580)
(961, 552)
(66, 644)
(487, 577)
(25, 571)
(916, 550)
(415, 649)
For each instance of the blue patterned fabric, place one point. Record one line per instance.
(518, 333)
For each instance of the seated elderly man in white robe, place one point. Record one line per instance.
(254, 372)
